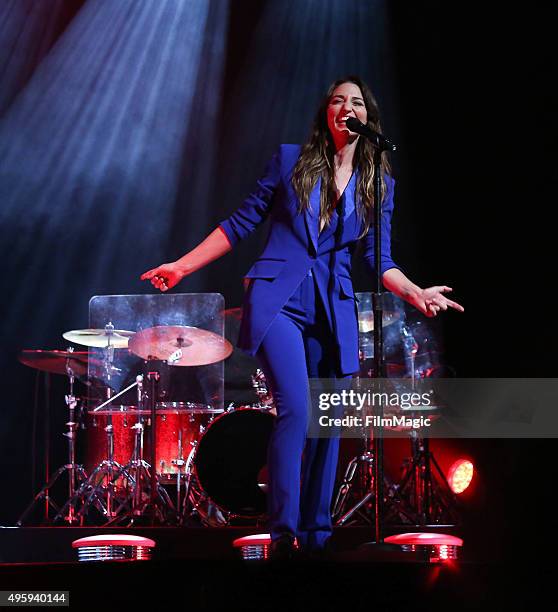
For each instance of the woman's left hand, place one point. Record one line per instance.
(430, 301)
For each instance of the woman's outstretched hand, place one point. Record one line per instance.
(164, 277)
(430, 301)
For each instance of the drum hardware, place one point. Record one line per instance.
(426, 497)
(110, 465)
(418, 498)
(134, 471)
(259, 383)
(177, 345)
(99, 488)
(188, 471)
(197, 503)
(159, 499)
(138, 488)
(179, 423)
(367, 459)
(359, 476)
(185, 472)
(363, 465)
(138, 467)
(137, 498)
(118, 488)
(263, 392)
(179, 463)
(51, 361)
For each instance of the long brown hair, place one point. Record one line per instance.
(316, 160)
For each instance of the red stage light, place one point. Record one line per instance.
(460, 475)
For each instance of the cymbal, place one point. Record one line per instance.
(57, 362)
(99, 338)
(180, 345)
(366, 319)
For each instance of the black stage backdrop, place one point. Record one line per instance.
(466, 93)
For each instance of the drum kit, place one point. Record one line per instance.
(209, 463)
(150, 460)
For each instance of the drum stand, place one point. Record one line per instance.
(181, 464)
(191, 504)
(186, 502)
(138, 475)
(75, 471)
(361, 466)
(426, 492)
(159, 501)
(426, 495)
(419, 499)
(364, 466)
(92, 491)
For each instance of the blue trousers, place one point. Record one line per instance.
(297, 346)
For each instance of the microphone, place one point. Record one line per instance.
(375, 137)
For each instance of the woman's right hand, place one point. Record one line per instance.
(164, 277)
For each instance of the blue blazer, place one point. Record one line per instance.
(292, 249)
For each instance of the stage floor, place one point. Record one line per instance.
(54, 544)
(198, 569)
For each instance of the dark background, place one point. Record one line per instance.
(466, 93)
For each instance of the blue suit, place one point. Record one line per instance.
(300, 320)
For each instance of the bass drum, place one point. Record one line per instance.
(229, 467)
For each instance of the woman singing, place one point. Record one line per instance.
(299, 311)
